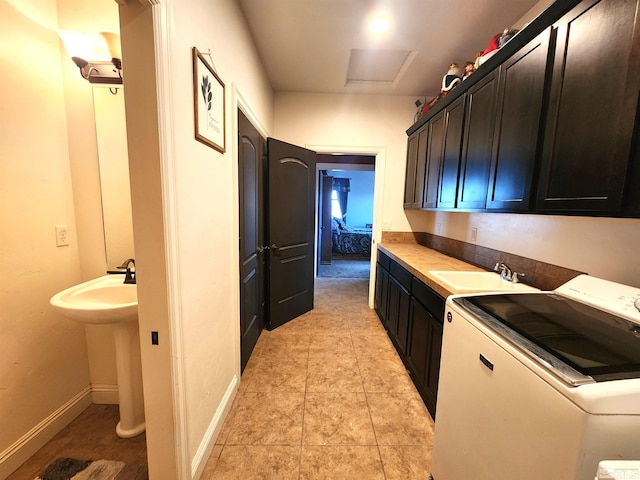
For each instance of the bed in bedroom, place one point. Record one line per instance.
(350, 241)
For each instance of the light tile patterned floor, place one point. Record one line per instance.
(326, 397)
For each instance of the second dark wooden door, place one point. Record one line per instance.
(291, 229)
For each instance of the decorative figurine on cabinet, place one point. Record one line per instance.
(451, 79)
(469, 68)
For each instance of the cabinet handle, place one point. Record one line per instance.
(486, 362)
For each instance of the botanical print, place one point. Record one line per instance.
(209, 104)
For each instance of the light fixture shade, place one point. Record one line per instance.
(96, 55)
(113, 43)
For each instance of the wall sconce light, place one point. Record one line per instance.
(98, 56)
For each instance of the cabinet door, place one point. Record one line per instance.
(381, 297)
(448, 186)
(410, 174)
(434, 161)
(393, 310)
(416, 158)
(423, 352)
(522, 82)
(402, 332)
(478, 141)
(432, 373)
(417, 351)
(592, 108)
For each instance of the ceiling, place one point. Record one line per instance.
(316, 45)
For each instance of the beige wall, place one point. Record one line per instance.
(44, 364)
(83, 155)
(599, 246)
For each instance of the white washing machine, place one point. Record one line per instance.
(539, 385)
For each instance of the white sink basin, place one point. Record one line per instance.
(108, 300)
(468, 282)
(100, 301)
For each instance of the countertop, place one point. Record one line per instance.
(419, 260)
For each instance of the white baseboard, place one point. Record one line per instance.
(104, 394)
(37, 437)
(208, 442)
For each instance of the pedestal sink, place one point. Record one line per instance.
(107, 300)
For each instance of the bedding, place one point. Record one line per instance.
(350, 241)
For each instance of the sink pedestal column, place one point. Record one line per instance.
(129, 370)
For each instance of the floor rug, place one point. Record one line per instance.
(73, 469)
(345, 269)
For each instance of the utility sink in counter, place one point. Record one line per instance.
(471, 282)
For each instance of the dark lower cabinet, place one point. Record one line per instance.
(381, 298)
(398, 314)
(413, 319)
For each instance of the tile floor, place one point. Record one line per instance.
(326, 397)
(91, 436)
(323, 397)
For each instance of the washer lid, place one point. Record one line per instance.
(594, 343)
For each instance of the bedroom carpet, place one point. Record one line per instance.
(352, 268)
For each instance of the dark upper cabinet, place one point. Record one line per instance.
(477, 143)
(434, 160)
(592, 108)
(410, 173)
(416, 158)
(448, 185)
(519, 110)
(550, 125)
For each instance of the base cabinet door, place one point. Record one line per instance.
(423, 355)
(381, 298)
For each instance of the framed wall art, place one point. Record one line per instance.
(208, 104)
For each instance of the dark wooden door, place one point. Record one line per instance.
(515, 146)
(435, 144)
(592, 108)
(325, 247)
(448, 187)
(252, 259)
(477, 143)
(291, 230)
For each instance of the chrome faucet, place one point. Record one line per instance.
(129, 275)
(506, 273)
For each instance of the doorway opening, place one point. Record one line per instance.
(345, 215)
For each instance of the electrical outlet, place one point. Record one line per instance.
(474, 234)
(386, 225)
(62, 235)
(438, 228)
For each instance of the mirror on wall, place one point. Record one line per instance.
(113, 161)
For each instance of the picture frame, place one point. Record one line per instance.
(208, 104)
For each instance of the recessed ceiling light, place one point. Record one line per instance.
(379, 25)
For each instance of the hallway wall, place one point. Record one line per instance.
(185, 215)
